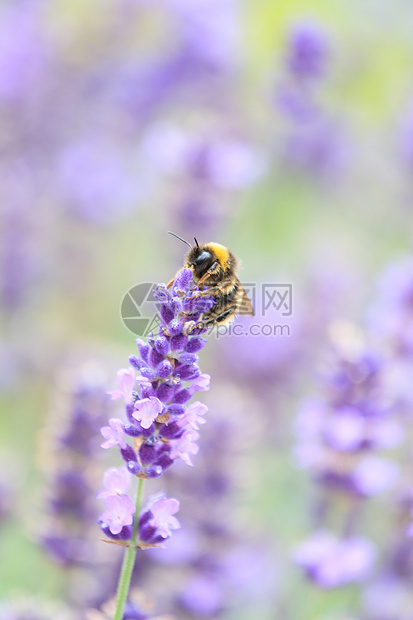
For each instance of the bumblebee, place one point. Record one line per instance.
(214, 270)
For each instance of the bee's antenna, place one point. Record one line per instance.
(180, 239)
(196, 241)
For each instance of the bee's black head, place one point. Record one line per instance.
(200, 259)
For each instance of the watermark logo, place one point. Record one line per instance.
(253, 329)
(140, 310)
(278, 297)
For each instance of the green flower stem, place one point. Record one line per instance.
(128, 560)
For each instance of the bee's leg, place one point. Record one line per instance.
(173, 279)
(206, 292)
(205, 276)
(212, 290)
(189, 327)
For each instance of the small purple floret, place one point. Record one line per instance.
(114, 434)
(120, 510)
(157, 520)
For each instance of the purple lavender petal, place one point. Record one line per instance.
(308, 50)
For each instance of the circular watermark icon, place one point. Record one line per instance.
(139, 309)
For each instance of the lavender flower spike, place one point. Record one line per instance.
(162, 426)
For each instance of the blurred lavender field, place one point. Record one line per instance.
(284, 132)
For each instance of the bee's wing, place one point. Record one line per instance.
(245, 305)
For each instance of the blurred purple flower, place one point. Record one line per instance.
(294, 104)
(317, 146)
(202, 596)
(260, 359)
(308, 50)
(338, 439)
(348, 431)
(331, 562)
(22, 48)
(164, 146)
(210, 30)
(308, 451)
(182, 549)
(251, 572)
(387, 597)
(70, 506)
(391, 316)
(210, 164)
(373, 475)
(73, 493)
(20, 250)
(96, 180)
(126, 382)
(225, 163)
(314, 141)
(345, 430)
(132, 612)
(198, 211)
(215, 158)
(205, 51)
